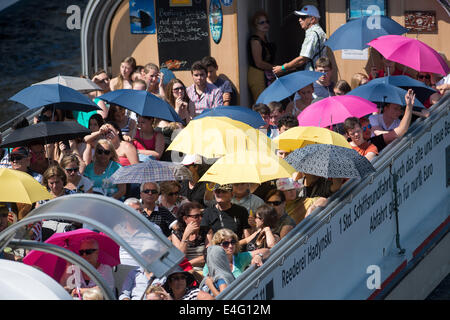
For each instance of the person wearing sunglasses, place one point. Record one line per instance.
(75, 180)
(354, 131)
(285, 223)
(152, 211)
(220, 275)
(426, 78)
(238, 261)
(177, 97)
(266, 218)
(89, 250)
(189, 237)
(181, 285)
(225, 214)
(105, 163)
(126, 152)
(261, 55)
(170, 197)
(313, 46)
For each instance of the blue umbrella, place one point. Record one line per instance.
(61, 97)
(356, 33)
(285, 86)
(421, 90)
(383, 92)
(168, 75)
(243, 114)
(143, 103)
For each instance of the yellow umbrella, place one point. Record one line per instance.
(249, 167)
(213, 137)
(298, 137)
(18, 186)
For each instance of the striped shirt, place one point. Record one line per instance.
(212, 97)
(191, 294)
(314, 40)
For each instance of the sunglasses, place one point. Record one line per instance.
(369, 126)
(86, 251)
(171, 194)
(103, 151)
(195, 216)
(226, 244)
(421, 76)
(15, 158)
(72, 169)
(274, 203)
(152, 191)
(101, 80)
(264, 22)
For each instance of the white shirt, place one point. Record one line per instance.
(376, 120)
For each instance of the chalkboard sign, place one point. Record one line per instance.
(183, 34)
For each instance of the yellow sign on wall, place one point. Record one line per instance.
(180, 3)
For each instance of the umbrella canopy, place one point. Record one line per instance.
(329, 161)
(243, 114)
(248, 167)
(151, 171)
(213, 137)
(382, 92)
(335, 109)
(54, 266)
(410, 52)
(22, 282)
(45, 132)
(61, 97)
(18, 186)
(356, 33)
(298, 137)
(287, 85)
(143, 103)
(168, 75)
(421, 90)
(76, 83)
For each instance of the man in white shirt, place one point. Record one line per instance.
(313, 46)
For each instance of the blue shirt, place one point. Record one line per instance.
(102, 183)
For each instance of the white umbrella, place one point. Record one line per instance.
(80, 84)
(23, 282)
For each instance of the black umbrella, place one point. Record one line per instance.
(330, 161)
(45, 132)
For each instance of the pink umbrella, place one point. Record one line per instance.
(55, 266)
(335, 109)
(410, 52)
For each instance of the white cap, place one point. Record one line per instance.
(191, 159)
(308, 10)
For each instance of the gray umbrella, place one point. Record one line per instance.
(330, 161)
(77, 83)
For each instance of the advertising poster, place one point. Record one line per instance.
(142, 17)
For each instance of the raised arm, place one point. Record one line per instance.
(405, 122)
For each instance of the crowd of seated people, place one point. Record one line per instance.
(221, 229)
